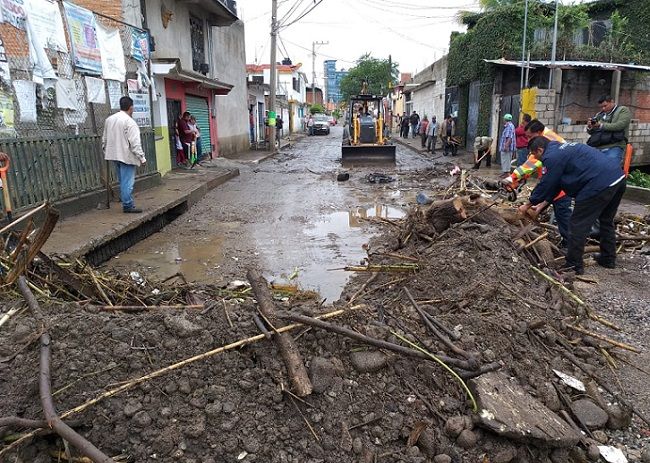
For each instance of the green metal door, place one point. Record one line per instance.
(198, 107)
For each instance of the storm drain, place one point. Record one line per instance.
(123, 242)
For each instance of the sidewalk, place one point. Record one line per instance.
(78, 235)
(257, 156)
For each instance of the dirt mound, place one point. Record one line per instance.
(477, 306)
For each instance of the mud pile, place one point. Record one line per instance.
(368, 404)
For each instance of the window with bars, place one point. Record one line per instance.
(197, 38)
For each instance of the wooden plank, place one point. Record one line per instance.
(506, 409)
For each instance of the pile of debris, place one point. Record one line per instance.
(457, 340)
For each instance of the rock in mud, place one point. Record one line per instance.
(467, 439)
(442, 458)
(589, 413)
(132, 407)
(142, 419)
(645, 455)
(619, 417)
(181, 326)
(427, 442)
(593, 453)
(548, 396)
(322, 372)
(505, 456)
(454, 426)
(508, 410)
(368, 361)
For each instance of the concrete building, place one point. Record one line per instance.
(428, 94)
(291, 88)
(195, 47)
(317, 92)
(333, 81)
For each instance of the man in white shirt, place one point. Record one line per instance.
(122, 145)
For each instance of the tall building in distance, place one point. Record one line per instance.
(333, 81)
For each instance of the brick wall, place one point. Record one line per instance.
(545, 106)
(110, 8)
(639, 138)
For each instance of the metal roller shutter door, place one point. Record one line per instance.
(198, 107)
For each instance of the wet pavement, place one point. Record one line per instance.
(287, 215)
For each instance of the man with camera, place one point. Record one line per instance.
(609, 129)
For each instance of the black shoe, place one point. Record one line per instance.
(133, 210)
(604, 263)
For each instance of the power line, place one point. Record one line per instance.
(303, 15)
(293, 8)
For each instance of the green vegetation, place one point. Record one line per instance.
(374, 72)
(638, 178)
(316, 109)
(336, 114)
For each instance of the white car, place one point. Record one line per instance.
(321, 124)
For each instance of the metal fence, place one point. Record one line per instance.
(57, 154)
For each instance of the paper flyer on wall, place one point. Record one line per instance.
(5, 73)
(95, 90)
(110, 45)
(46, 22)
(13, 12)
(83, 38)
(114, 93)
(66, 94)
(139, 45)
(6, 114)
(41, 65)
(79, 114)
(141, 109)
(25, 91)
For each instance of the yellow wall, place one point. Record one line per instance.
(163, 157)
(528, 96)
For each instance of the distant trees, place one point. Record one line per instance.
(372, 74)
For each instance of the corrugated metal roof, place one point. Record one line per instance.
(572, 64)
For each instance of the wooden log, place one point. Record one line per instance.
(545, 251)
(290, 354)
(441, 214)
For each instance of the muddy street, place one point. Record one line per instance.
(288, 215)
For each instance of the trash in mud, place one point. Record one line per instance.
(379, 178)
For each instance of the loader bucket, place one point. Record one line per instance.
(368, 153)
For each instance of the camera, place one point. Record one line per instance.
(593, 121)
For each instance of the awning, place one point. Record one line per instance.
(171, 68)
(571, 65)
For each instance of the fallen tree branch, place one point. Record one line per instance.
(66, 432)
(128, 385)
(289, 352)
(142, 308)
(600, 337)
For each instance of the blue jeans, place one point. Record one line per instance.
(562, 212)
(615, 152)
(522, 156)
(126, 177)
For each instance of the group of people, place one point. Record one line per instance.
(590, 174)
(429, 131)
(188, 141)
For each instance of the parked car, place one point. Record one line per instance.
(321, 124)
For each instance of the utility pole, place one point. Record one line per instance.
(554, 49)
(274, 73)
(523, 47)
(313, 67)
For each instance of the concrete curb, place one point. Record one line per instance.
(637, 193)
(81, 247)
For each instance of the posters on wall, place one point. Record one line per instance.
(139, 45)
(25, 91)
(46, 23)
(95, 90)
(114, 93)
(78, 115)
(5, 74)
(41, 65)
(141, 111)
(13, 12)
(66, 94)
(6, 114)
(83, 38)
(112, 54)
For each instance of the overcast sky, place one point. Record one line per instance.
(415, 32)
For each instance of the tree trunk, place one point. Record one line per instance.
(442, 214)
(292, 359)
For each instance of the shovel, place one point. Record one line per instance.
(4, 167)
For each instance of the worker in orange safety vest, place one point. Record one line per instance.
(533, 167)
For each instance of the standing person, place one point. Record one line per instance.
(609, 129)
(415, 120)
(279, 123)
(186, 134)
(197, 139)
(447, 131)
(121, 144)
(522, 140)
(310, 125)
(424, 124)
(507, 145)
(405, 126)
(251, 124)
(596, 182)
(431, 135)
